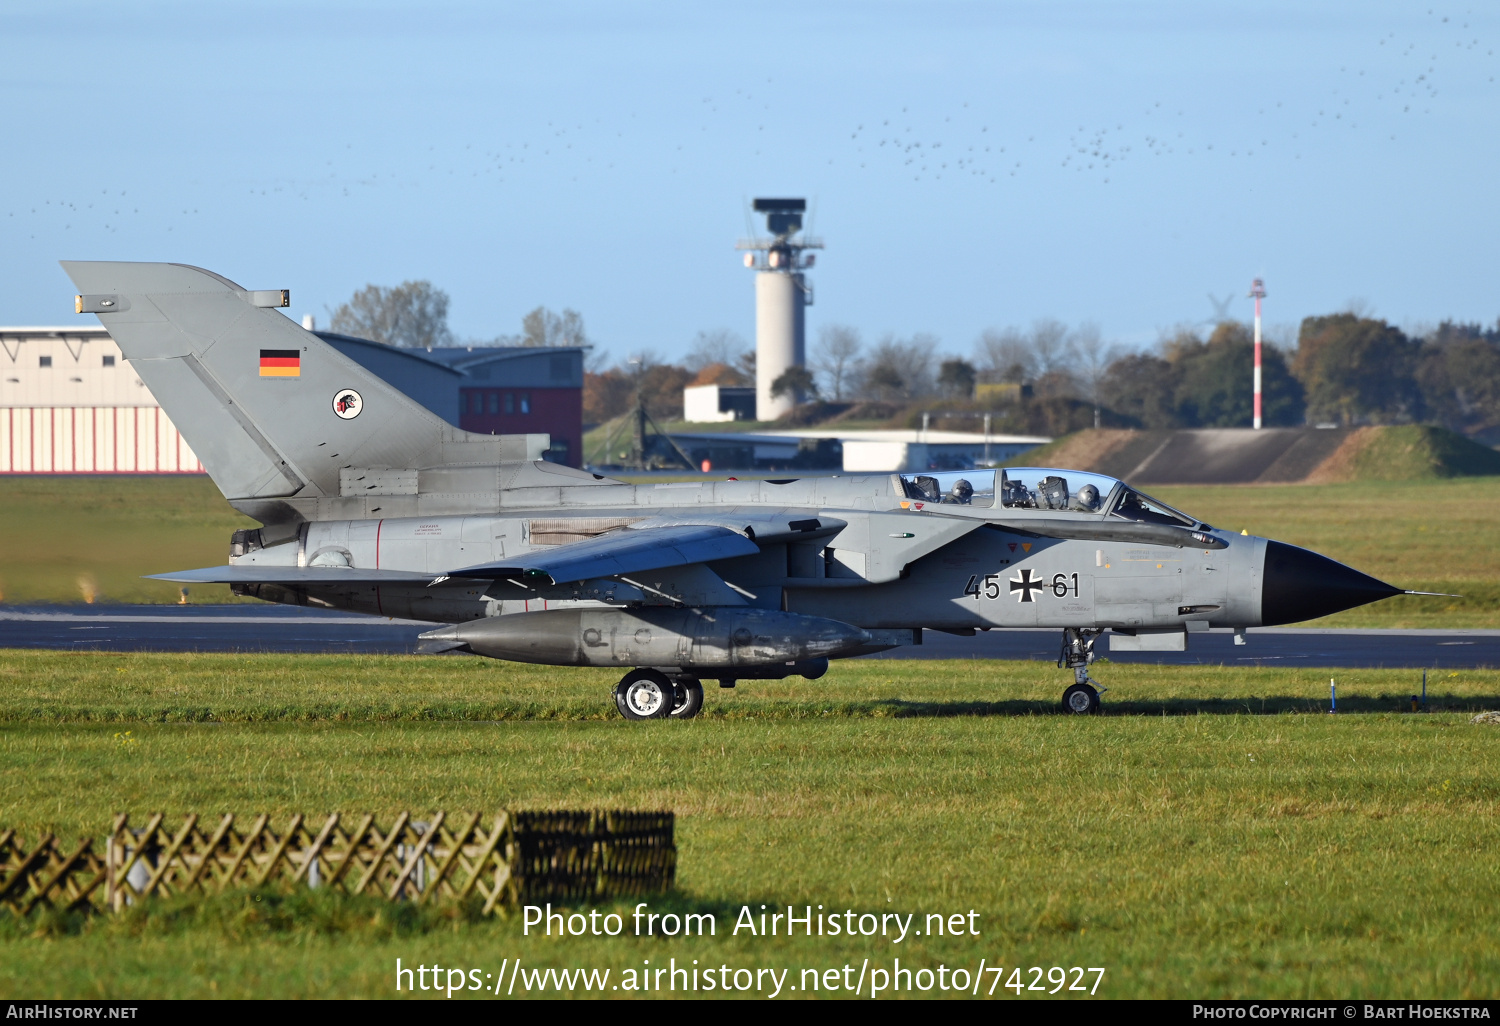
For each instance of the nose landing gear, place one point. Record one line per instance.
(1082, 696)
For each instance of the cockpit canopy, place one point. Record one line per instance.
(952, 488)
(1042, 488)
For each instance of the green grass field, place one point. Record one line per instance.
(62, 538)
(1215, 834)
(106, 532)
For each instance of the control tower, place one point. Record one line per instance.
(781, 293)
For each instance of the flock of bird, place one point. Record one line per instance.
(1377, 85)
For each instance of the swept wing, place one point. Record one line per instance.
(619, 552)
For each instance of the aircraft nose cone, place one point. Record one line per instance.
(1300, 585)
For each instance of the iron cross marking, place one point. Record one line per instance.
(1025, 585)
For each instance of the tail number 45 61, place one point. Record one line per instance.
(990, 586)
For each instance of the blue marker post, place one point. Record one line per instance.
(1424, 690)
(1333, 696)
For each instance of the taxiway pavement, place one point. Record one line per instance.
(250, 628)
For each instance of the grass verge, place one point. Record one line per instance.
(70, 539)
(1214, 835)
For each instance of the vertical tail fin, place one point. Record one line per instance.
(269, 408)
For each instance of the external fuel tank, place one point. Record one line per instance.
(702, 639)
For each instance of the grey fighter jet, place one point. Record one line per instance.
(371, 503)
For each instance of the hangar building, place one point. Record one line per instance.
(71, 404)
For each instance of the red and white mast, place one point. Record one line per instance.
(1257, 293)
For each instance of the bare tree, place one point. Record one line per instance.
(597, 360)
(542, 327)
(413, 315)
(836, 354)
(1092, 356)
(746, 364)
(1004, 355)
(1051, 346)
(901, 370)
(718, 345)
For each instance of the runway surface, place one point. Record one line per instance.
(252, 628)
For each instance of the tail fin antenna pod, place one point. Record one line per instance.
(269, 408)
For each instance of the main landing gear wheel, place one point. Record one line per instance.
(645, 695)
(687, 696)
(1081, 699)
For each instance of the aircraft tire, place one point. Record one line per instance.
(1080, 700)
(687, 699)
(645, 695)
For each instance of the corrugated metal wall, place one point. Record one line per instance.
(92, 440)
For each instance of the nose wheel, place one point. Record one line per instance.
(1082, 696)
(1081, 699)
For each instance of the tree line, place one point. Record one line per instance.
(414, 315)
(1050, 378)
(1344, 369)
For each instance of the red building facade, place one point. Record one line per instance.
(520, 411)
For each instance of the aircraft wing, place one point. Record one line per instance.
(625, 551)
(256, 574)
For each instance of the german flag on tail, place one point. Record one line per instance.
(280, 363)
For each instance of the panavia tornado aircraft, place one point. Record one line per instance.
(370, 502)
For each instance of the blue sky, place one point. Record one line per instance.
(970, 165)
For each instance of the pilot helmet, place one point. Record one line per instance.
(962, 490)
(1088, 496)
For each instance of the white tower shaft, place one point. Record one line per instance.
(780, 340)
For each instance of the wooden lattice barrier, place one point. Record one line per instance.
(502, 859)
(47, 874)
